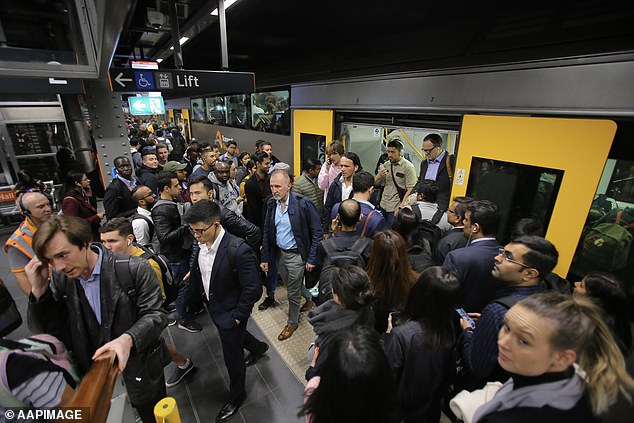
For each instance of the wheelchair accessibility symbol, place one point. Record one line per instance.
(144, 80)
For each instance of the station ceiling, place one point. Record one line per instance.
(286, 41)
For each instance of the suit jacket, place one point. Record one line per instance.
(473, 265)
(256, 199)
(442, 180)
(117, 201)
(235, 283)
(306, 228)
(453, 240)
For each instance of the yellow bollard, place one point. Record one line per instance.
(166, 411)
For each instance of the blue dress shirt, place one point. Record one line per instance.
(92, 288)
(284, 232)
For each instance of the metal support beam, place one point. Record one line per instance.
(78, 131)
(108, 125)
(176, 36)
(224, 55)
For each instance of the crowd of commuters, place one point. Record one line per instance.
(203, 226)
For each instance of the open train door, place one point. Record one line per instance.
(544, 168)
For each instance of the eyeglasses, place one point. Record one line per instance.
(201, 231)
(429, 150)
(505, 256)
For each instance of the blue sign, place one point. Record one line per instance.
(144, 80)
(146, 105)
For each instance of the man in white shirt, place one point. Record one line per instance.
(142, 223)
(226, 267)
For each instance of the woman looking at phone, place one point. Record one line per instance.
(331, 169)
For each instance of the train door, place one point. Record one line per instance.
(544, 168)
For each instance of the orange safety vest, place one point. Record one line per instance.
(22, 239)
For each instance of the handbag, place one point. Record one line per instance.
(10, 318)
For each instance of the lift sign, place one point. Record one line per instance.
(146, 105)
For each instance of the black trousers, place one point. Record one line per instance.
(234, 341)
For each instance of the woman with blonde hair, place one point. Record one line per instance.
(391, 275)
(564, 362)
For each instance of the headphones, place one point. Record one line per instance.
(23, 210)
(128, 243)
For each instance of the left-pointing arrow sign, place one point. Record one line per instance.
(139, 105)
(120, 79)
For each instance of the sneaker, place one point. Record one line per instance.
(190, 326)
(179, 374)
(171, 321)
(170, 308)
(202, 309)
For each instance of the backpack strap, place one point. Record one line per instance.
(507, 302)
(234, 245)
(125, 277)
(150, 224)
(329, 246)
(365, 224)
(436, 217)
(360, 245)
(417, 212)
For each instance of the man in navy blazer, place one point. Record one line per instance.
(226, 268)
(435, 168)
(473, 263)
(292, 232)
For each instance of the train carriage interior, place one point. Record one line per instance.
(532, 101)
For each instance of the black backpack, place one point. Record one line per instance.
(348, 256)
(428, 229)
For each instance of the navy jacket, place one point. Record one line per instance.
(473, 265)
(453, 240)
(235, 283)
(306, 228)
(377, 220)
(333, 197)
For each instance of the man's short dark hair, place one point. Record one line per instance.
(205, 211)
(527, 226)
(429, 190)
(263, 143)
(161, 145)
(164, 179)
(349, 212)
(134, 141)
(146, 151)
(396, 144)
(202, 179)
(486, 214)
(362, 181)
(542, 255)
(434, 139)
(259, 157)
(122, 225)
(310, 164)
(462, 203)
(231, 142)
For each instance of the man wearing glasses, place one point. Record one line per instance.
(520, 267)
(226, 268)
(438, 167)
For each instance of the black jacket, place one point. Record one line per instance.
(333, 197)
(174, 237)
(256, 200)
(59, 311)
(117, 200)
(452, 241)
(147, 177)
(442, 180)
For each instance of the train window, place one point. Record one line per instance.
(606, 240)
(519, 191)
(270, 112)
(216, 110)
(198, 109)
(370, 141)
(237, 114)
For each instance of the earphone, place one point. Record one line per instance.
(23, 210)
(128, 243)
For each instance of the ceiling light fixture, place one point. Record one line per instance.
(228, 4)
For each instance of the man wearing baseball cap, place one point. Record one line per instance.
(181, 174)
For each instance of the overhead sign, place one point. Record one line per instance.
(41, 85)
(181, 82)
(139, 64)
(146, 105)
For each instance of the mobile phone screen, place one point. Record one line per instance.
(464, 314)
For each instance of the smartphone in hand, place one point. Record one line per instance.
(464, 314)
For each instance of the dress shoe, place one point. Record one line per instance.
(228, 411)
(268, 302)
(308, 305)
(253, 358)
(287, 332)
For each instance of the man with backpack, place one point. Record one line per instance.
(97, 302)
(345, 246)
(117, 236)
(142, 223)
(226, 269)
(432, 220)
(520, 267)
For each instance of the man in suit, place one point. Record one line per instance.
(226, 268)
(455, 238)
(292, 232)
(435, 168)
(474, 262)
(117, 200)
